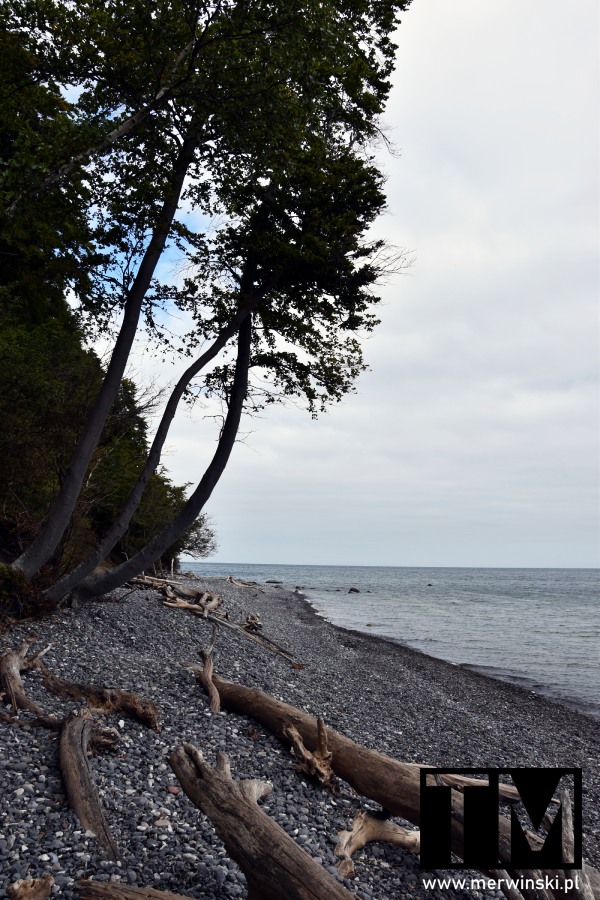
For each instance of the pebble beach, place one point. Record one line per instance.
(381, 694)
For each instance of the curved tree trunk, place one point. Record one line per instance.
(102, 582)
(38, 554)
(70, 581)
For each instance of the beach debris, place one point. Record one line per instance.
(316, 764)
(88, 889)
(366, 828)
(75, 738)
(179, 596)
(12, 663)
(102, 699)
(239, 582)
(80, 734)
(31, 888)
(205, 674)
(274, 865)
(208, 606)
(393, 784)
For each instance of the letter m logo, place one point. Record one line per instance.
(557, 827)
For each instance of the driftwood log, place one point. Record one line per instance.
(31, 888)
(81, 791)
(276, 868)
(101, 890)
(205, 674)
(394, 785)
(207, 606)
(366, 828)
(12, 663)
(239, 582)
(106, 700)
(200, 602)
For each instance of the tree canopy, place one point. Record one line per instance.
(127, 124)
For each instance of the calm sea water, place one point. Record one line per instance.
(539, 628)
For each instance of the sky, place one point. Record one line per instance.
(473, 439)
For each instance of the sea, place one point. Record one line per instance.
(538, 628)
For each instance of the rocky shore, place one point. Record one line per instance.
(398, 701)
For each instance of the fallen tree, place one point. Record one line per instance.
(275, 866)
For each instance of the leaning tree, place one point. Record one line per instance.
(255, 115)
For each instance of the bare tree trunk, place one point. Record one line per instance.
(275, 866)
(100, 583)
(38, 554)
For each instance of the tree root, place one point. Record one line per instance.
(275, 866)
(318, 764)
(12, 663)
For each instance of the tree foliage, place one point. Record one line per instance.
(130, 127)
(49, 382)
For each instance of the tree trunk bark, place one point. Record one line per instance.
(38, 554)
(275, 866)
(70, 581)
(103, 582)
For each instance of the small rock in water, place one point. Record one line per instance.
(354, 590)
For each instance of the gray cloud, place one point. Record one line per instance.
(473, 440)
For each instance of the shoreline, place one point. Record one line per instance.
(556, 661)
(521, 691)
(528, 686)
(382, 694)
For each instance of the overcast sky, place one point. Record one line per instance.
(473, 440)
